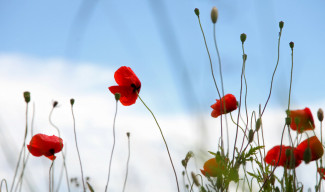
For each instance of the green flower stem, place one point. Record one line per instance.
(75, 138)
(127, 163)
(276, 66)
(162, 135)
(63, 156)
(21, 151)
(214, 79)
(110, 161)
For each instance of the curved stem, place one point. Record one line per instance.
(111, 158)
(162, 135)
(127, 163)
(276, 66)
(75, 138)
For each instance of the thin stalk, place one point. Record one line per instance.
(162, 135)
(63, 156)
(22, 149)
(5, 182)
(127, 162)
(276, 66)
(50, 179)
(111, 158)
(75, 138)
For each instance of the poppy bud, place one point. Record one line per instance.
(71, 101)
(195, 180)
(27, 96)
(291, 44)
(281, 23)
(272, 179)
(186, 186)
(197, 12)
(128, 134)
(250, 135)
(117, 96)
(184, 163)
(258, 124)
(244, 57)
(55, 103)
(288, 153)
(288, 121)
(307, 155)
(320, 114)
(243, 37)
(183, 173)
(214, 14)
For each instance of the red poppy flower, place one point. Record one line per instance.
(304, 118)
(41, 144)
(273, 154)
(321, 171)
(128, 85)
(211, 168)
(315, 145)
(225, 105)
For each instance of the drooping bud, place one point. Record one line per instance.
(243, 37)
(27, 96)
(117, 96)
(197, 12)
(291, 44)
(288, 121)
(244, 57)
(258, 124)
(307, 155)
(195, 180)
(250, 136)
(71, 101)
(281, 23)
(55, 103)
(320, 114)
(214, 14)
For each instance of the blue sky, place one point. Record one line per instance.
(161, 41)
(63, 49)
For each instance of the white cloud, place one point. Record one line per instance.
(57, 79)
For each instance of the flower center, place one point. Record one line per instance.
(52, 151)
(135, 88)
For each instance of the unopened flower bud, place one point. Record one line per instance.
(128, 134)
(320, 114)
(184, 163)
(244, 57)
(243, 37)
(27, 96)
(307, 155)
(72, 101)
(288, 121)
(197, 12)
(291, 44)
(281, 23)
(288, 153)
(258, 124)
(195, 180)
(214, 14)
(55, 103)
(250, 135)
(117, 96)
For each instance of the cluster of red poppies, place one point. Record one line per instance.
(308, 150)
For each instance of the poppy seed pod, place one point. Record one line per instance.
(320, 114)
(307, 155)
(214, 14)
(27, 96)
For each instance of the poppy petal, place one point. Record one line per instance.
(128, 97)
(124, 76)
